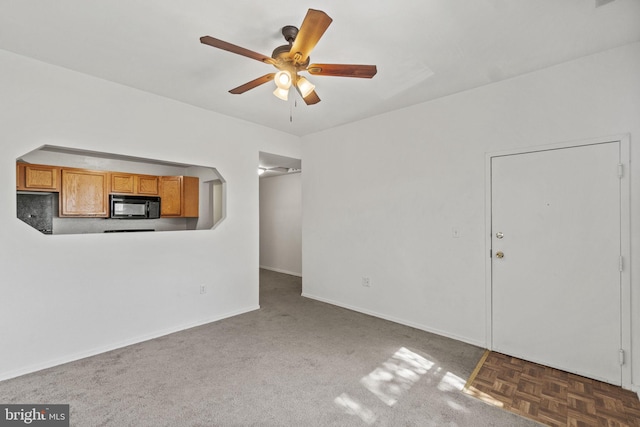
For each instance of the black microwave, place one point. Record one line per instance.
(143, 207)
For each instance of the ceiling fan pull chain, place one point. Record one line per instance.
(291, 110)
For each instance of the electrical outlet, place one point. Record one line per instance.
(203, 289)
(366, 282)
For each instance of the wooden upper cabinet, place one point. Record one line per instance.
(84, 193)
(122, 183)
(179, 196)
(171, 196)
(148, 185)
(127, 183)
(191, 196)
(37, 177)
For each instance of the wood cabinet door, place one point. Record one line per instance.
(38, 177)
(171, 196)
(122, 183)
(128, 183)
(179, 196)
(147, 185)
(84, 193)
(191, 196)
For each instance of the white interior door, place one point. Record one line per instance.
(555, 217)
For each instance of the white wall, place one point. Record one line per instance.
(68, 296)
(281, 223)
(400, 182)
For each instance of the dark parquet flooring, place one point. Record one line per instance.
(550, 396)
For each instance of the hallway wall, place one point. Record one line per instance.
(281, 223)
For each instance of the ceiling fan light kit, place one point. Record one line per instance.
(294, 58)
(283, 83)
(281, 93)
(283, 79)
(305, 87)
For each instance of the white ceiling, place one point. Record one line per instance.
(424, 49)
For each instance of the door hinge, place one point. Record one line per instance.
(490, 254)
(620, 170)
(621, 356)
(620, 264)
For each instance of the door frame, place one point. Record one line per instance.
(625, 240)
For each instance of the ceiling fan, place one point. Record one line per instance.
(292, 58)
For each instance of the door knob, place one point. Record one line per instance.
(499, 254)
(499, 234)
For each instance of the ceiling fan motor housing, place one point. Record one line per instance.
(289, 32)
(282, 53)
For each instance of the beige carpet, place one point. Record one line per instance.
(294, 362)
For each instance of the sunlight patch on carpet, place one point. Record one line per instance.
(396, 376)
(451, 382)
(353, 407)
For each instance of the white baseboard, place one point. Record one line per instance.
(131, 341)
(279, 270)
(480, 344)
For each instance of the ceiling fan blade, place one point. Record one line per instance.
(252, 84)
(311, 99)
(220, 44)
(313, 27)
(343, 70)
